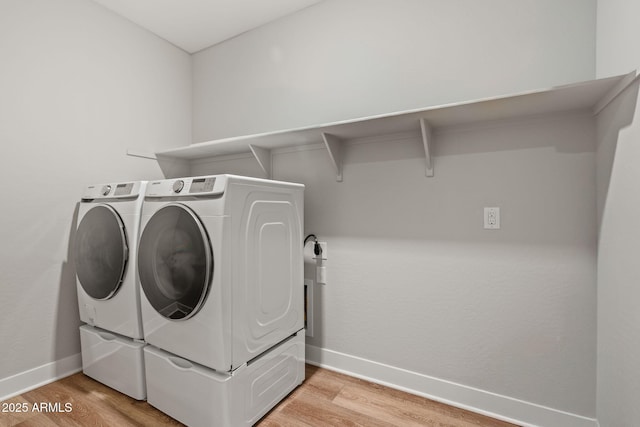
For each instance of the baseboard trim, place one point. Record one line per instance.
(39, 376)
(501, 407)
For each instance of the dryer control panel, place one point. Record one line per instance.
(202, 185)
(185, 187)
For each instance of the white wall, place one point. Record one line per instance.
(414, 280)
(617, 37)
(346, 59)
(79, 86)
(618, 51)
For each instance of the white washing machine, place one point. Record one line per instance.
(221, 267)
(108, 295)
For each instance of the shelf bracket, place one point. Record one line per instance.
(263, 156)
(608, 97)
(334, 147)
(427, 140)
(141, 154)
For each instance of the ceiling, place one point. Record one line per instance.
(193, 25)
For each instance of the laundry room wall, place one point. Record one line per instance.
(618, 51)
(343, 59)
(79, 86)
(414, 281)
(416, 287)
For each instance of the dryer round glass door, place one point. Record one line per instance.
(175, 262)
(101, 252)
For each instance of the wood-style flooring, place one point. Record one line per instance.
(326, 398)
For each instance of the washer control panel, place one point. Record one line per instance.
(123, 189)
(115, 190)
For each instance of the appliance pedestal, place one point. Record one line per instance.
(113, 360)
(198, 396)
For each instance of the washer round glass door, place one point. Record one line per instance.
(101, 252)
(175, 262)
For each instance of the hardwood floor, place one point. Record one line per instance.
(326, 398)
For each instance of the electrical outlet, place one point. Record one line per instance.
(492, 218)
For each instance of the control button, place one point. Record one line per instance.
(106, 189)
(178, 186)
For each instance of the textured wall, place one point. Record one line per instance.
(618, 51)
(345, 59)
(415, 282)
(79, 86)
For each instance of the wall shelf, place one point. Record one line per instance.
(591, 95)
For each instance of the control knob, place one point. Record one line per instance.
(178, 186)
(106, 189)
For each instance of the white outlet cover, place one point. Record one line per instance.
(492, 218)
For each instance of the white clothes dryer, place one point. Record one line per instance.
(105, 256)
(221, 267)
